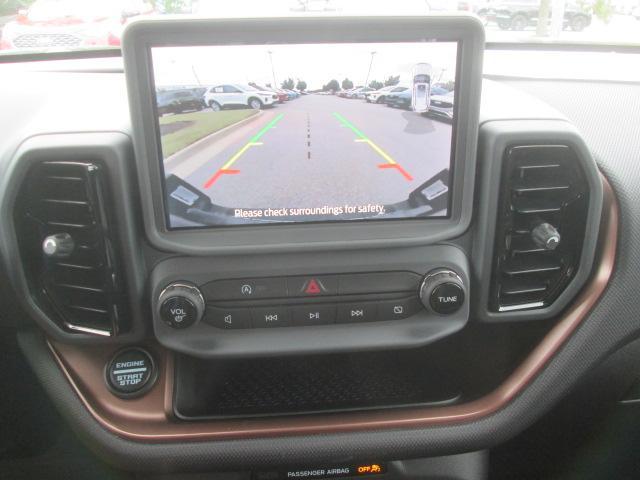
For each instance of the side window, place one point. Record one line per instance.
(230, 89)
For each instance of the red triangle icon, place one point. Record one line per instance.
(313, 287)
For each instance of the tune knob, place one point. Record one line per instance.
(442, 291)
(181, 305)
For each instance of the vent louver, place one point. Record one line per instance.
(542, 185)
(83, 289)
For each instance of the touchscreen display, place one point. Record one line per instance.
(258, 134)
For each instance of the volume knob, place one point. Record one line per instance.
(181, 305)
(442, 291)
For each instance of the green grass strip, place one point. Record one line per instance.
(267, 127)
(347, 123)
(200, 124)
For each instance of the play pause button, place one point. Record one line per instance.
(314, 315)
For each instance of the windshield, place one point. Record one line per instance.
(54, 25)
(49, 10)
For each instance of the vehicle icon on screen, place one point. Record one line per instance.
(421, 87)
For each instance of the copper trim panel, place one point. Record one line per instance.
(149, 418)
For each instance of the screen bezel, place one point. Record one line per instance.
(142, 35)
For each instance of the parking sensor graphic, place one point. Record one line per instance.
(421, 87)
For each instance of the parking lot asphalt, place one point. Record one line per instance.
(320, 150)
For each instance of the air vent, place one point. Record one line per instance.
(80, 287)
(541, 221)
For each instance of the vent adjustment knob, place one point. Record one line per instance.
(546, 236)
(442, 291)
(181, 305)
(59, 245)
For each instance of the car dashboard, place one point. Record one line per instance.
(435, 345)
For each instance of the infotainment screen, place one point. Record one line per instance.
(256, 134)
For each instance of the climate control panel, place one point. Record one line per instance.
(204, 307)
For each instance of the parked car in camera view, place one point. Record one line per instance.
(438, 90)
(199, 92)
(358, 92)
(344, 93)
(238, 95)
(402, 99)
(379, 96)
(520, 14)
(282, 95)
(178, 101)
(441, 106)
(399, 99)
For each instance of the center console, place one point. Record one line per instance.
(303, 283)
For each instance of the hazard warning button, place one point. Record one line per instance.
(312, 286)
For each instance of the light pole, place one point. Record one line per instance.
(273, 72)
(193, 69)
(366, 82)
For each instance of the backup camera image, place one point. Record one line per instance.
(258, 134)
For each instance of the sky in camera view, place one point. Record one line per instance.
(315, 64)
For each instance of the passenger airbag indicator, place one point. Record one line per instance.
(317, 473)
(371, 469)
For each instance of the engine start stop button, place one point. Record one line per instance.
(131, 372)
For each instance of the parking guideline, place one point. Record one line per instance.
(225, 169)
(350, 125)
(253, 141)
(391, 163)
(266, 128)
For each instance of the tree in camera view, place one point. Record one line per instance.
(288, 84)
(332, 85)
(347, 84)
(392, 80)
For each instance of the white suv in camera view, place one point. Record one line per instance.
(235, 94)
(378, 96)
